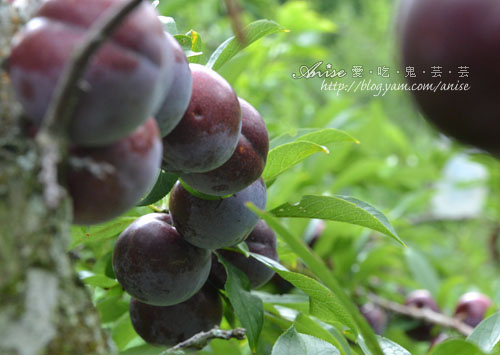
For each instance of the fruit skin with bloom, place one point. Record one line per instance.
(155, 265)
(105, 182)
(245, 165)
(208, 133)
(177, 99)
(461, 38)
(171, 325)
(218, 222)
(123, 84)
(472, 307)
(421, 299)
(261, 241)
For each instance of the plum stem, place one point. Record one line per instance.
(52, 138)
(201, 339)
(424, 314)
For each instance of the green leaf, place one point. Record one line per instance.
(323, 303)
(455, 347)
(123, 332)
(162, 187)
(143, 350)
(287, 155)
(194, 55)
(389, 347)
(422, 271)
(112, 308)
(321, 136)
(297, 302)
(100, 232)
(338, 208)
(168, 24)
(230, 47)
(307, 325)
(487, 334)
(98, 280)
(248, 308)
(293, 343)
(318, 267)
(186, 42)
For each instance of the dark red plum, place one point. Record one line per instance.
(472, 307)
(170, 325)
(107, 181)
(461, 38)
(125, 81)
(261, 241)
(376, 317)
(177, 99)
(155, 265)
(217, 223)
(208, 133)
(421, 299)
(245, 165)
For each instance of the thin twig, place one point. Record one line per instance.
(234, 14)
(493, 243)
(53, 135)
(198, 341)
(424, 314)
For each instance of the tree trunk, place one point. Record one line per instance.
(44, 309)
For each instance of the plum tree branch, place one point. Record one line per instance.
(53, 136)
(424, 314)
(234, 14)
(198, 341)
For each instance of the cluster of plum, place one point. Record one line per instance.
(219, 149)
(470, 309)
(115, 144)
(173, 283)
(455, 42)
(143, 107)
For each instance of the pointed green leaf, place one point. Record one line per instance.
(307, 325)
(97, 280)
(422, 270)
(162, 187)
(99, 231)
(487, 334)
(388, 346)
(338, 208)
(248, 308)
(194, 56)
(391, 348)
(287, 151)
(321, 136)
(168, 24)
(318, 267)
(230, 47)
(123, 332)
(293, 343)
(456, 347)
(282, 158)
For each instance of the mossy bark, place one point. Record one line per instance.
(44, 309)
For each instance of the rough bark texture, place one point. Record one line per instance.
(43, 307)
